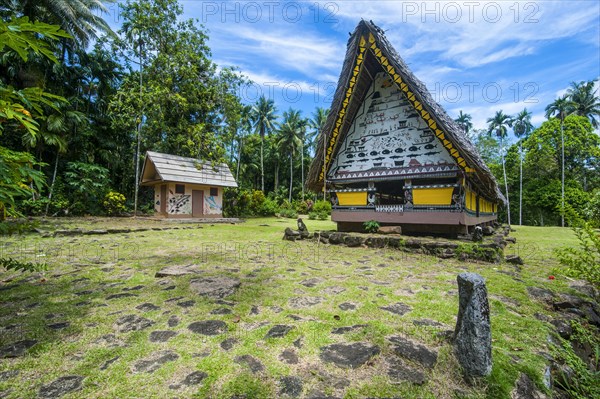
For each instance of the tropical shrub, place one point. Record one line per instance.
(322, 207)
(371, 226)
(114, 203)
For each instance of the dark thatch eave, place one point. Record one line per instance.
(481, 178)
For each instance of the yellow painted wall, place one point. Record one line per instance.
(358, 198)
(432, 196)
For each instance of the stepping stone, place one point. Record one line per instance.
(428, 323)
(289, 356)
(400, 372)
(334, 290)
(7, 375)
(397, 308)
(224, 302)
(221, 311)
(59, 326)
(252, 363)
(208, 327)
(175, 271)
(154, 361)
(61, 386)
(136, 288)
(194, 378)
(228, 343)
(347, 306)
(311, 282)
(161, 335)
(86, 292)
(343, 330)
(186, 304)
(305, 301)
(215, 287)
(131, 322)
(278, 331)
(173, 321)
(110, 340)
(349, 355)
(16, 349)
(147, 307)
(121, 295)
(290, 386)
(174, 299)
(414, 351)
(254, 310)
(298, 343)
(109, 362)
(541, 294)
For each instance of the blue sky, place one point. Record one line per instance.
(475, 56)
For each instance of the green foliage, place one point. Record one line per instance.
(18, 178)
(114, 203)
(268, 208)
(13, 264)
(371, 226)
(577, 378)
(17, 226)
(88, 183)
(322, 207)
(37, 207)
(288, 213)
(592, 209)
(312, 215)
(582, 262)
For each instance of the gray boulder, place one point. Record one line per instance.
(472, 335)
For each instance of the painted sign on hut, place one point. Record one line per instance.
(388, 152)
(186, 187)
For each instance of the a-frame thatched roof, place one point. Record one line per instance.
(368, 53)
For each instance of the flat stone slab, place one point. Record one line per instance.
(161, 335)
(154, 361)
(333, 290)
(110, 341)
(59, 326)
(120, 295)
(215, 287)
(61, 386)
(398, 371)
(349, 355)
(344, 330)
(131, 322)
(312, 282)
(414, 351)
(278, 331)
(251, 362)
(194, 378)
(147, 307)
(173, 321)
(289, 356)
(16, 349)
(176, 271)
(290, 386)
(228, 343)
(305, 301)
(428, 323)
(107, 363)
(398, 308)
(347, 306)
(208, 327)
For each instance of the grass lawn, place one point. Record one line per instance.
(75, 309)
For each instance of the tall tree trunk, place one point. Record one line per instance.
(291, 175)
(262, 166)
(505, 180)
(562, 150)
(52, 184)
(237, 174)
(520, 185)
(276, 176)
(302, 167)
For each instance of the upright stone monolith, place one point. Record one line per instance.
(473, 336)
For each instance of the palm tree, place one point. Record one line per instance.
(245, 126)
(585, 100)
(464, 121)
(561, 107)
(80, 18)
(294, 118)
(499, 125)
(521, 128)
(290, 141)
(263, 117)
(317, 122)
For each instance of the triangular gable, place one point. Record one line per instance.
(369, 51)
(388, 137)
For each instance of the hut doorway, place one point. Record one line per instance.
(197, 203)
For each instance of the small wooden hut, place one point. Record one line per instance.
(186, 187)
(388, 152)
